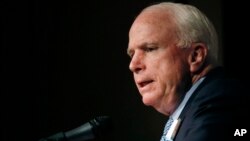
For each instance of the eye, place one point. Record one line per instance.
(150, 49)
(130, 54)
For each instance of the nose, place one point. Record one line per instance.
(136, 64)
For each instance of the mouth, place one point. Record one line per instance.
(144, 83)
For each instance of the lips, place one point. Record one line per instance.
(144, 83)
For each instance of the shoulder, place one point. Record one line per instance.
(218, 86)
(216, 108)
(220, 92)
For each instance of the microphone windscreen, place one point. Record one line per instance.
(101, 125)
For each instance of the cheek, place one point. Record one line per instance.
(170, 74)
(166, 70)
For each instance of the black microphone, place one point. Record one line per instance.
(95, 128)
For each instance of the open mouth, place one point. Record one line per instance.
(144, 83)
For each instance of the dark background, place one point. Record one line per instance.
(64, 63)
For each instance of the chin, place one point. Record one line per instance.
(149, 101)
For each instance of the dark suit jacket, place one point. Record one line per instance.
(215, 110)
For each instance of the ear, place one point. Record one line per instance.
(197, 56)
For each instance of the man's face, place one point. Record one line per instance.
(158, 65)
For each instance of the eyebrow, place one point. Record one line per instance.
(141, 46)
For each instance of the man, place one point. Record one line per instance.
(173, 49)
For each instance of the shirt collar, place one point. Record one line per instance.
(179, 109)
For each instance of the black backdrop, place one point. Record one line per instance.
(65, 63)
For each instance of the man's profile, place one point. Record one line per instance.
(174, 61)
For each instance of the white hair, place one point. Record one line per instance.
(192, 26)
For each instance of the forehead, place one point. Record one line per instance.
(151, 26)
(159, 18)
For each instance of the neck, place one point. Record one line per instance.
(202, 73)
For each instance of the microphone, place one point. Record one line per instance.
(95, 128)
